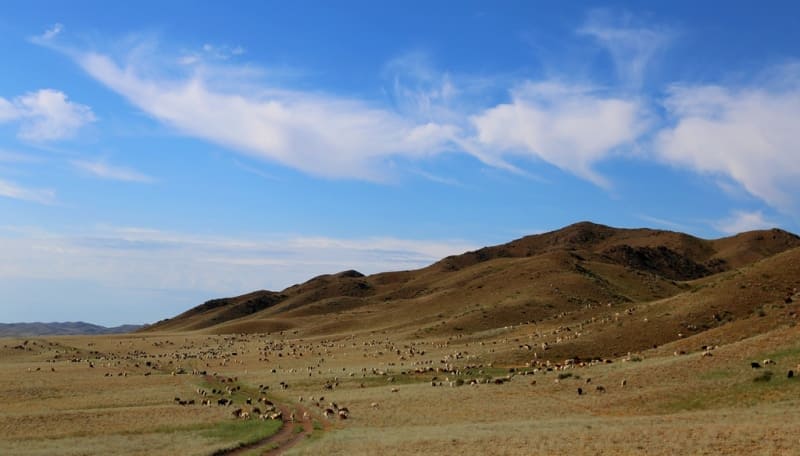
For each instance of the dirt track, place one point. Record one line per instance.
(284, 439)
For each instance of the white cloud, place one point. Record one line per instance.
(319, 134)
(52, 32)
(11, 190)
(420, 91)
(568, 126)
(741, 221)
(153, 259)
(632, 45)
(748, 135)
(107, 171)
(45, 115)
(664, 222)
(7, 110)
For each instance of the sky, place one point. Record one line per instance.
(154, 155)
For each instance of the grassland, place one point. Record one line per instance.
(689, 404)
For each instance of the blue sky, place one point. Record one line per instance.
(157, 154)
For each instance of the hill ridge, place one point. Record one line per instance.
(529, 278)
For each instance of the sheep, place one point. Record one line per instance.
(600, 389)
(768, 361)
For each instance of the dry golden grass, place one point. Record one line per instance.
(687, 404)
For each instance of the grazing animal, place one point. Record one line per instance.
(790, 374)
(343, 414)
(768, 361)
(328, 413)
(580, 391)
(623, 382)
(755, 365)
(394, 390)
(600, 389)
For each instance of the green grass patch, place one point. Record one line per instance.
(792, 352)
(242, 432)
(719, 374)
(744, 391)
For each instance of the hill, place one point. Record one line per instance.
(585, 275)
(61, 329)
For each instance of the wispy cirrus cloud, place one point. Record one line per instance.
(140, 257)
(45, 115)
(52, 32)
(631, 43)
(105, 170)
(741, 221)
(739, 133)
(320, 134)
(13, 190)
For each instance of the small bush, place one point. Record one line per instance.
(764, 377)
(564, 375)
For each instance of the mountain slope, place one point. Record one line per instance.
(576, 270)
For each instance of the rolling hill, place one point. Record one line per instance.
(61, 329)
(621, 289)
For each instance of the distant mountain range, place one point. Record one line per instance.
(61, 329)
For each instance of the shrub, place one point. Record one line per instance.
(764, 377)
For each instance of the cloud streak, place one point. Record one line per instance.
(104, 170)
(632, 45)
(12, 190)
(320, 134)
(135, 257)
(741, 221)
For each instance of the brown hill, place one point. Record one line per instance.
(583, 274)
